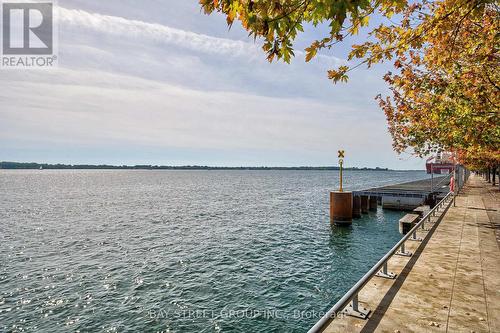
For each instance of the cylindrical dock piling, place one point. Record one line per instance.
(341, 208)
(373, 203)
(356, 206)
(364, 204)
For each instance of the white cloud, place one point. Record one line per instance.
(158, 52)
(148, 32)
(94, 107)
(153, 32)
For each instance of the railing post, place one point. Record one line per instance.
(354, 310)
(355, 303)
(414, 237)
(402, 251)
(384, 273)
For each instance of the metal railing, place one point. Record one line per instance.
(441, 182)
(348, 304)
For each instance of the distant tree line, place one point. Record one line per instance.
(17, 165)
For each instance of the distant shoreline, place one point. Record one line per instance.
(48, 166)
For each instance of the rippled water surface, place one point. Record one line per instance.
(180, 251)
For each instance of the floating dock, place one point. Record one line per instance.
(408, 196)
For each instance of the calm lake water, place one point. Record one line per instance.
(180, 251)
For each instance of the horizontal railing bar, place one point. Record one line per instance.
(344, 301)
(446, 178)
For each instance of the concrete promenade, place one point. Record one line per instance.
(452, 281)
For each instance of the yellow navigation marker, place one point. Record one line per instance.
(341, 162)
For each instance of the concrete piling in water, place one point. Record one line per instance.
(341, 208)
(407, 222)
(364, 204)
(356, 206)
(373, 202)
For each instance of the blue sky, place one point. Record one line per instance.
(158, 82)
